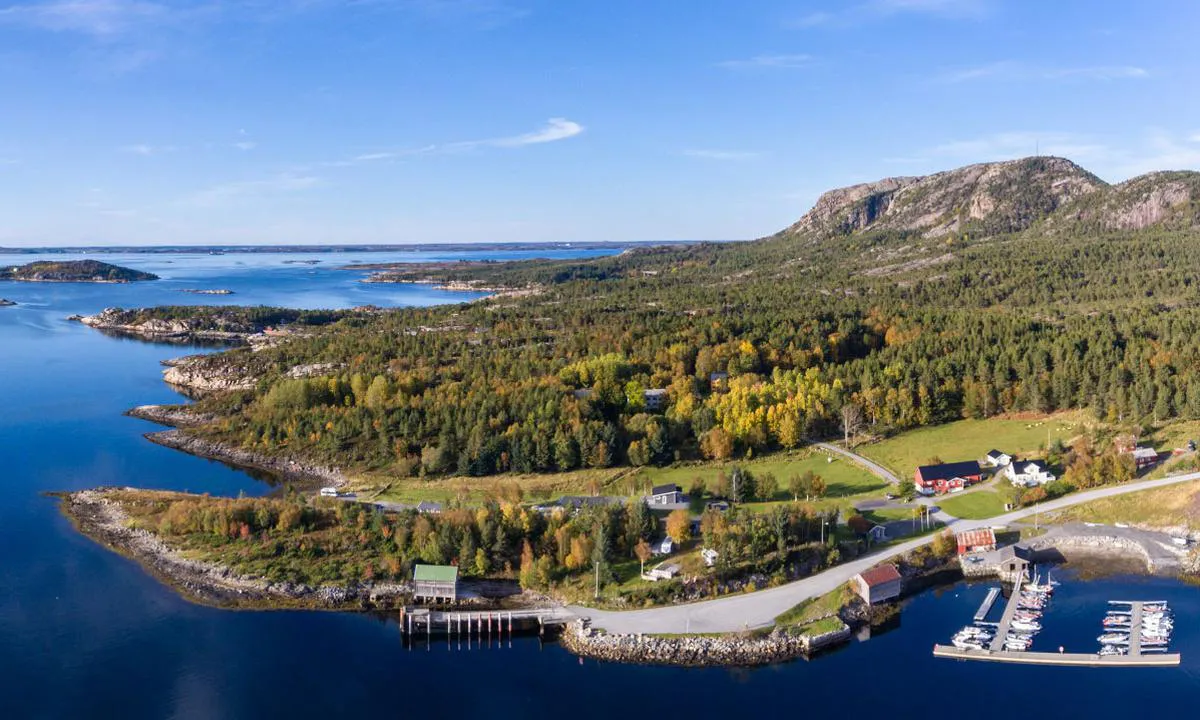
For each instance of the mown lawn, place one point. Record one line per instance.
(971, 440)
(974, 505)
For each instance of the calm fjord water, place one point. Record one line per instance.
(85, 633)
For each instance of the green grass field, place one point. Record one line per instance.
(843, 478)
(973, 506)
(970, 440)
(1169, 506)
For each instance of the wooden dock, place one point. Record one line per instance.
(986, 607)
(424, 621)
(1068, 659)
(1006, 619)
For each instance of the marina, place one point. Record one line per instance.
(1136, 633)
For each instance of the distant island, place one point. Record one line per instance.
(6, 303)
(74, 271)
(207, 292)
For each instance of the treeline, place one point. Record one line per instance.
(757, 346)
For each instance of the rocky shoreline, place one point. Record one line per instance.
(104, 521)
(745, 650)
(288, 470)
(112, 320)
(170, 415)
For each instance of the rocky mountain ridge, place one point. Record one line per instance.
(996, 198)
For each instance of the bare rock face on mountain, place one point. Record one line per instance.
(987, 199)
(1167, 199)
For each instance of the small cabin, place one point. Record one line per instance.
(664, 571)
(329, 492)
(996, 458)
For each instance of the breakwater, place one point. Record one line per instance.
(747, 649)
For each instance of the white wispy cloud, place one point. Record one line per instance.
(722, 154)
(554, 130)
(1011, 70)
(283, 183)
(852, 15)
(245, 145)
(90, 17)
(769, 61)
(146, 150)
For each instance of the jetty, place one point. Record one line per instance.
(415, 622)
(986, 607)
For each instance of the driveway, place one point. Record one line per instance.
(874, 467)
(759, 609)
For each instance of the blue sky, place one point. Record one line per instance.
(392, 121)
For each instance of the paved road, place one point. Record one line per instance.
(874, 467)
(759, 609)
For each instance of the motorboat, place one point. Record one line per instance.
(1113, 638)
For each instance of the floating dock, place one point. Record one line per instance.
(986, 607)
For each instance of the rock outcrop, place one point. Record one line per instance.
(134, 322)
(208, 373)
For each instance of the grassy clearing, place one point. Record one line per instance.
(971, 440)
(817, 610)
(609, 481)
(843, 477)
(975, 505)
(1163, 507)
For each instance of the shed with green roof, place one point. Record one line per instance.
(435, 583)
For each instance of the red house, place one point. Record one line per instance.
(944, 478)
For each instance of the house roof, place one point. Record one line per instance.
(879, 575)
(1142, 452)
(947, 471)
(429, 506)
(435, 573)
(975, 538)
(994, 454)
(664, 489)
(1038, 464)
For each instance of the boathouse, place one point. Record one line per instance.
(435, 583)
(879, 584)
(976, 541)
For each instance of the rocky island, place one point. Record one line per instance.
(92, 271)
(6, 303)
(237, 325)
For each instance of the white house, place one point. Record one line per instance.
(667, 495)
(1028, 473)
(329, 492)
(996, 459)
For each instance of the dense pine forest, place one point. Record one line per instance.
(966, 294)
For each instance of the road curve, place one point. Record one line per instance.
(874, 467)
(759, 609)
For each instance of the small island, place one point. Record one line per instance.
(92, 271)
(194, 291)
(6, 303)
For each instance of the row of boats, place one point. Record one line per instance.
(1026, 621)
(1155, 626)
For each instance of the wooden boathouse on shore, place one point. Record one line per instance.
(435, 583)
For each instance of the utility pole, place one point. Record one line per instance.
(597, 580)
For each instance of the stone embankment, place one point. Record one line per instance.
(696, 650)
(105, 521)
(287, 469)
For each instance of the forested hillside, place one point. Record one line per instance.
(767, 344)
